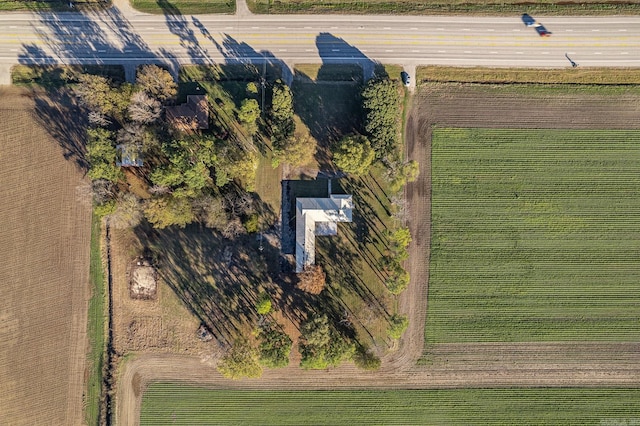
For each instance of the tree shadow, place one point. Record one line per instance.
(104, 38)
(218, 279)
(52, 111)
(329, 103)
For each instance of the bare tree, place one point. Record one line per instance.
(159, 190)
(102, 190)
(131, 134)
(238, 203)
(211, 212)
(98, 119)
(233, 229)
(143, 108)
(399, 209)
(128, 213)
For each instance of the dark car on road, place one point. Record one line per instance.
(542, 30)
(528, 20)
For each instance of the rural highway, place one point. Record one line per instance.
(122, 35)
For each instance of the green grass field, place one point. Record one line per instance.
(53, 5)
(535, 236)
(95, 328)
(184, 7)
(177, 404)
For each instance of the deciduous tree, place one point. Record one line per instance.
(312, 279)
(366, 360)
(94, 92)
(296, 151)
(398, 174)
(101, 155)
(143, 108)
(241, 361)
(167, 210)
(157, 82)
(263, 304)
(128, 212)
(353, 154)
(282, 124)
(398, 281)
(397, 325)
(249, 114)
(236, 164)
(321, 345)
(381, 104)
(274, 347)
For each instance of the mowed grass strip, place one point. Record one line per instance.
(95, 328)
(165, 403)
(535, 236)
(184, 7)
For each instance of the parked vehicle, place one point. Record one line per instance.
(406, 78)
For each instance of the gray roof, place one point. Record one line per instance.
(128, 156)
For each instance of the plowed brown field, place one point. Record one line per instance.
(44, 272)
(451, 365)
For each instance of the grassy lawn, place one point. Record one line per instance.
(52, 5)
(330, 109)
(388, 70)
(54, 76)
(184, 7)
(413, 7)
(534, 236)
(165, 403)
(329, 72)
(607, 76)
(95, 328)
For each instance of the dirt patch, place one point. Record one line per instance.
(143, 283)
(44, 271)
(155, 319)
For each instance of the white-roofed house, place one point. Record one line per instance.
(316, 217)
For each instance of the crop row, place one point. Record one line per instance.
(535, 236)
(181, 405)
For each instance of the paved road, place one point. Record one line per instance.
(122, 35)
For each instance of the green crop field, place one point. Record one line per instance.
(535, 236)
(176, 404)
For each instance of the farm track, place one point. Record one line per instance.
(446, 365)
(44, 273)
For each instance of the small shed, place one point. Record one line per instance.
(129, 155)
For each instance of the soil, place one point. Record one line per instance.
(450, 365)
(144, 281)
(44, 272)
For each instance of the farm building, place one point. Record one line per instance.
(190, 116)
(317, 217)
